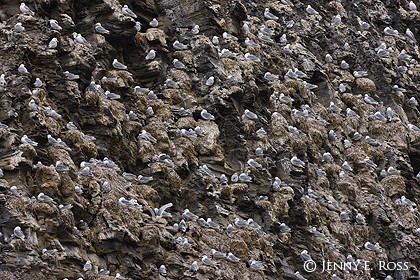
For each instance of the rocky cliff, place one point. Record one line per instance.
(209, 139)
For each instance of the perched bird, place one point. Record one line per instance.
(25, 9)
(269, 15)
(412, 6)
(128, 12)
(118, 65)
(255, 265)
(297, 162)
(22, 70)
(178, 64)
(53, 43)
(26, 140)
(17, 232)
(232, 258)
(100, 29)
(207, 261)
(87, 266)
(179, 46)
(54, 25)
(311, 10)
(194, 266)
(162, 270)
(206, 115)
(154, 23)
(71, 76)
(336, 20)
(151, 55)
(19, 27)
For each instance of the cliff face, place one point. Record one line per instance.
(319, 111)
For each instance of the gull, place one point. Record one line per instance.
(162, 270)
(393, 171)
(251, 162)
(297, 162)
(22, 69)
(356, 136)
(328, 58)
(196, 29)
(43, 197)
(412, 6)
(26, 140)
(71, 76)
(341, 88)
(138, 89)
(332, 136)
(298, 276)
(179, 46)
(61, 167)
(19, 27)
(132, 203)
(390, 31)
(378, 116)
(126, 11)
(240, 223)
(249, 115)
(286, 49)
(13, 189)
(161, 211)
(285, 99)
(370, 100)
(223, 179)
(154, 23)
(25, 9)
(194, 266)
(267, 31)
(38, 82)
(346, 166)
(17, 232)
(350, 113)
(245, 28)
(344, 65)
(270, 77)
(255, 265)
(217, 254)
(369, 162)
(359, 74)
(252, 57)
(336, 20)
(372, 247)
(413, 128)
(250, 43)
(265, 38)
(210, 81)
(78, 38)
(269, 15)
(327, 157)
(228, 36)
(215, 40)
(151, 55)
(334, 108)
(404, 56)
(276, 184)
(344, 216)
(234, 177)
(87, 172)
(311, 10)
(137, 26)
(54, 25)
(293, 129)
(244, 178)
(397, 89)
(206, 115)
(407, 202)
(412, 101)
(207, 261)
(144, 135)
(409, 33)
(149, 111)
(111, 95)
(189, 215)
(53, 43)
(118, 65)
(225, 53)
(178, 64)
(309, 85)
(3, 82)
(364, 25)
(171, 83)
(360, 219)
(100, 29)
(232, 258)
(305, 256)
(144, 179)
(87, 266)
